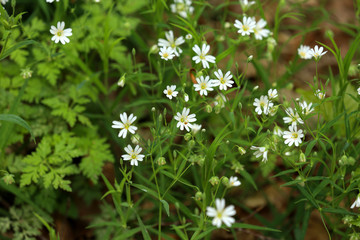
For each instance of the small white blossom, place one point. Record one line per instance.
(166, 53)
(293, 117)
(304, 52)
(306, 108)
(188, 36)
(262, 105)
(170, 91)
(125, 125)
(221, 214)
(259, 31)
(182, 7)
(186, 97)
(202, 55)
(246, 26)
(278, 131)
(185, 120)
(3, 2)
(49, 1)
(320, 94)
(245, 4)
(356, 203)
(272, 93)
(358, 90)
(317, 52)
(172, 42)
(203, 85)
(234, 182)
(260, 151)
(223, 81)
(195, 128)
(60, 34)
(293, 136)
(133, 155)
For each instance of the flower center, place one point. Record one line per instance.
(302, 54)
(203, 86)
(182, 119)
(133, 156)
(295, 135)
(169, 92)
(219, 214)
(173, 45)
(222, 80)
(180, 7)
(245, 28)
(202, 57)
(165, 55)
(59, 33)
(126, 126)
(262, 104)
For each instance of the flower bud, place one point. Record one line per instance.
(227, 25)
(250, 58)
(208, 108)
(26, 73)
(121, 82)
(135, 139)
(217, 109)
(198, 196)
(187, 136)
(214, 180)
(191, 144)
(8, 178)
(225, 181)
(302, 157)
(161, 161)
(241, 150)
(154, 49)
(237, 166)
(153, 109)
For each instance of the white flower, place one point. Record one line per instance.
(358, 90)
(304, 52)
(202, 55)
(317, 52)
(203, 85)
(306, 108)
(182, 7)
(188, 36)
(172, 42)
(245, 4)
(260, 151)
(185, 120)
(293, 136)
(166, 53)
(170, 91)
(234, 182)
(186, 97)
(49, 1)
(356, 203)
(320, 94)
(278, 131)
(292, 118)
(246, 27)
(272, 93)
(125, 124)
(262, 105)
(133, 155)
(195, 128)
(60, 34)
(223, 81)
(259, 31)
(5, 1)
(221, 214)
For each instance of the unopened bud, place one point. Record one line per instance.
(214, 180)
(154, 49)
(161, 161)
(225, 181)
(191, 144)
(186, 97)
(153, 109)
(187, 136)
(198, 196)
(250, 58)
(208, 108)
(217, 108)
(121, 82)
(302, 158)
(227, 25)
(8, 178)
(241, 150)
(26, 73)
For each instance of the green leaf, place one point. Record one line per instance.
(166, 206)
(310, 146)
(144, 232)
(17, 120)
(249, 178)
(255, 227)
(15, 47)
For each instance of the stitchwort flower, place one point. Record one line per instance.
(260, 31)
(133, 155)
(125, 125)
(50, 1)
(221, 214)
(306, 108)
(223, 81)
(185, 120)
(166, 53)
(172, 42)
(304, 52)
(202, 55)
(356, 202)
(272, 93)
(293, 136)
(246, 26)
(260, 151)
(234, 182)
(320, 94)
(3, 2)
(170, 91)
(262, 105)
(293, 117)
(203, 85)
(182, 7)
(358, 90)
(60, 34)
(317, 52)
